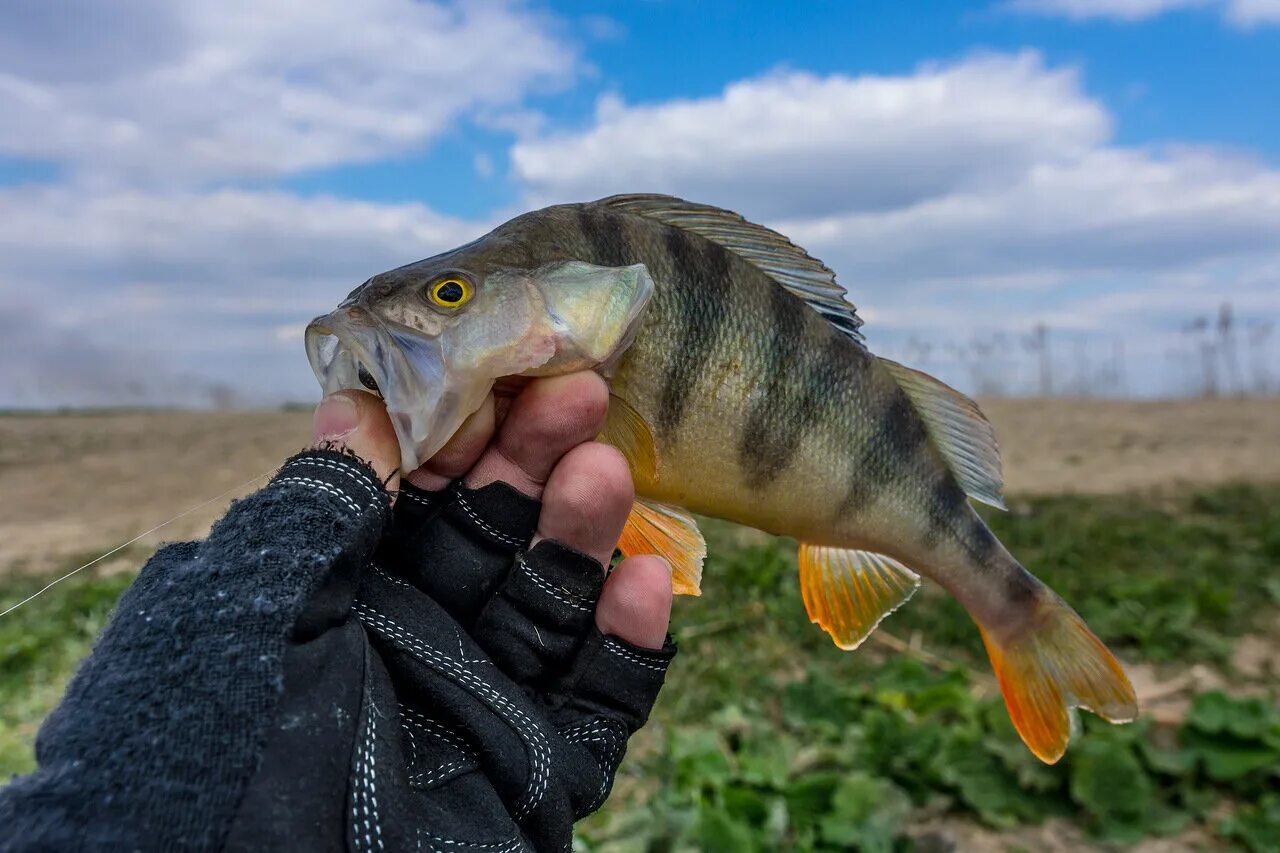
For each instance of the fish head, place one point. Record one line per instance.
(432, 338)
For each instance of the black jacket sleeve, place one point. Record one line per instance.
(321, 674)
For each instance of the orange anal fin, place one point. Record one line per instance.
(848, 592)
(671, 533)
(1051, 667)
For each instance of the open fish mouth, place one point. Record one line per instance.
(351, 349)
(555, 319)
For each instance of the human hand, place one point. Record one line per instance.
(541, 444)
(518, 670)
(322, 672)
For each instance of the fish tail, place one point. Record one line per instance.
(1051, 664)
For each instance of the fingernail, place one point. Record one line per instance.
(336, 417)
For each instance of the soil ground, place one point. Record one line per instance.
(73, 483)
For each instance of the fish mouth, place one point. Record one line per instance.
(352, 349)
(367, 380)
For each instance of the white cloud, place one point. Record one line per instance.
(158, 92)
(128, 296)
(964, 198)
(992, 165)
(795, 143)
(1252, 13)
(1244, 13)
(1119, 10)
(970, 196)
(1109, 210)
(134, 274)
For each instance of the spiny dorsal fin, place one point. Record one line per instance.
(849, 592)
(959, 430)
(779, 258)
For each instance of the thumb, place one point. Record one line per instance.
(358, 421)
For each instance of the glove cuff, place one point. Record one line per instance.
(343, 477)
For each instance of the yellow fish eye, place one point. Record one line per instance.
(450, 292)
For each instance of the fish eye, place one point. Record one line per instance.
(450, 292)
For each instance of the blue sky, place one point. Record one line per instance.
(1182, 76)
(183, 184)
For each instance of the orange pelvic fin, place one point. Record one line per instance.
(848, 592)
(671, 533)
(1055, 665)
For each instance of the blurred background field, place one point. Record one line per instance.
(1068, 208)
(1159, 521)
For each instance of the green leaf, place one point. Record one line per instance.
(985, 786)
(1229, 759)
(1215, 712)
(818, 700)
(745, 804)
(1255, 826)
(765, 757)
(701, 758)
(809, 797)
(866, 812)
(1167, 761)
(718, 830)
(1108, 782)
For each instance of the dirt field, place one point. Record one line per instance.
(79, 484)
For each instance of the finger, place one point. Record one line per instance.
(459, 453)
(551, 416)
(586, 500)
(536, 620)
(538, 617)
(357, 421)
(615, 680)
(635, 604)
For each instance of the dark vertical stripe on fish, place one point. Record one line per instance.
(1021, 588)
(779, 419)
(946, 508)
(701, 290)
(605, 237)
(980, 543)
(952, 522)
(886, 455)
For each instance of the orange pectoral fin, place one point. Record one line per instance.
(671, 533)
(1055, 666)
(628, 431)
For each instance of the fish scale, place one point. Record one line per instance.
(740, 388)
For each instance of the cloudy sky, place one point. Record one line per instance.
(183, 183)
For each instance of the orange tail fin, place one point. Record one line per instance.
(1053, 666)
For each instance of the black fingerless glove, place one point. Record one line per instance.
(302, 681)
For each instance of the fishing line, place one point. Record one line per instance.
(145, 533)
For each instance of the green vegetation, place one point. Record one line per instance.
(768, 737)
(40, 645)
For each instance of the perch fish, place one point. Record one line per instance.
(741, 388)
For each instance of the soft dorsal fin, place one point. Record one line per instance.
(958, 429)
(779, 258)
